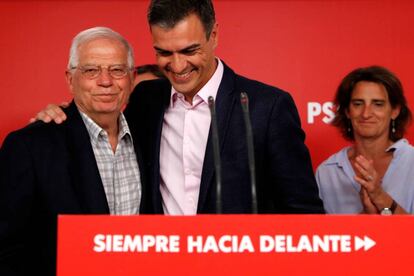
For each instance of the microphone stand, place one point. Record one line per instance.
(216, 152)
(244, 100)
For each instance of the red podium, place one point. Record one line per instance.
(235, 245)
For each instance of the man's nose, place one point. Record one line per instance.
(178, 63)
(104, 78)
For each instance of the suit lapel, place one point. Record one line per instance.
(164, 100)
(85, 175)
(225, 101)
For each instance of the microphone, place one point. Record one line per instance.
(216, 152)
(244, 100)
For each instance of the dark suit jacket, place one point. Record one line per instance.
(45, 170)
(285, 180)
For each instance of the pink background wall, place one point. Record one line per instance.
(304, 47)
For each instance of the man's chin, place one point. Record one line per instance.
(107, 108)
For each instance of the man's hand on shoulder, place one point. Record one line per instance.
(52, 112)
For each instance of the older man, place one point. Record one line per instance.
(87, 165)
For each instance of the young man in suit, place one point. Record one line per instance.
(86, 165)
(170, 121)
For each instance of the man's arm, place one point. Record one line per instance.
(290, 162)
(16, 197)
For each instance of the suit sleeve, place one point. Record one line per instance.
(16, 197)
(290, 162)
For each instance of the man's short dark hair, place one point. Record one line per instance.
(167, 13)
(379, 75)
(150, 68)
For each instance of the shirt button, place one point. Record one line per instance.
(187, 171)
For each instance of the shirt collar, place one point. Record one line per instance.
(209, 89)
(397, 146)
(95, 131)
(342, 157)
(123, 127)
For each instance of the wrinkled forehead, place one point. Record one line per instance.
(102, 48)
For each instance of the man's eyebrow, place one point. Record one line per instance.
(190, 48)
(186, 49)
(158, 49)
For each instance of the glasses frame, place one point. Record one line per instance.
(82, 69)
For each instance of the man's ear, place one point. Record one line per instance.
(69, 79)
(134, 79)
(214, 35)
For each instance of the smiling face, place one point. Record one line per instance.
(370, 111)
(103, 95)
(185, 55)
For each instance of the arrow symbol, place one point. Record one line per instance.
(365, 243)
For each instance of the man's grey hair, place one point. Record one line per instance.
(92, 34)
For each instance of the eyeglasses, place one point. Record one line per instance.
(117, 71)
